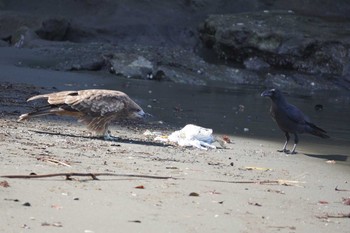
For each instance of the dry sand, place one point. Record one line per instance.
(301, 202)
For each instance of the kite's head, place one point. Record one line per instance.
(137, 112)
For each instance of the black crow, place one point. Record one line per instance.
(290, 119)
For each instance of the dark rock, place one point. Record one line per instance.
(54, 29)
(255, 63)
(23, 37)
(131, 65)
(10, 22)
(95, 65)
(281, 39)
(3, 43)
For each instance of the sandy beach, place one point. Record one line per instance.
(184, 62)
(245, 187)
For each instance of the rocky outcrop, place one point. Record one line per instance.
(159, 40)
(281, 40)
(54, 29)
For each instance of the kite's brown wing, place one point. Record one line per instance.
(99, 107)
(97, 103)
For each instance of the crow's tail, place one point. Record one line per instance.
(314, 130)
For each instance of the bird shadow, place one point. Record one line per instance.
(115, 139)
(341, 158)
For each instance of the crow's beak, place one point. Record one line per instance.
(266, 93)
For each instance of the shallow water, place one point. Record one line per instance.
(232, 110)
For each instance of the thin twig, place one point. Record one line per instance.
(267, 182)
(54, 161)
(341, 215)
(341, 190)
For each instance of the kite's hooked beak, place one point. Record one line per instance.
(140, 114)
(148, 115)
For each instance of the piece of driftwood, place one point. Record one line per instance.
(92, 175)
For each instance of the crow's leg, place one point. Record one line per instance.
(296, 140)
(285, 144)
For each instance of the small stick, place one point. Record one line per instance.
(334, 216)
(54, 161)
(267, 182)
(341, 190)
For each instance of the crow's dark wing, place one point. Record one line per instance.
(294, 114)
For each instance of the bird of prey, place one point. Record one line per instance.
(96, 108)
(290, 119)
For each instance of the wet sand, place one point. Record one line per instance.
(227, 185)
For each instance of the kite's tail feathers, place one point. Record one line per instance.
(50, 110)
(38, 97)
(314, 130)
(26, 116)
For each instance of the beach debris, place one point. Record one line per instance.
(152, 133)
(318, 107)
(257, 168)
(340, 215)
(226, 139)
(275, 191)
(57, 207)
(27, 204)
(262, 182)
(194, 194)
(55, 224)
(323, 202)
(25, 226)
(346, 201)
(10, 199)
(255, 204)
(284, 227)
(241, 108)
(140, 187)
(191, 136)
(135, 221)
(330, 161)
(214, 192)
(53, 161)
(341, 190)
(4, 184)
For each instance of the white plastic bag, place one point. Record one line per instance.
(192, 135)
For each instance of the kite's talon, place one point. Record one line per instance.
(109, 137)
